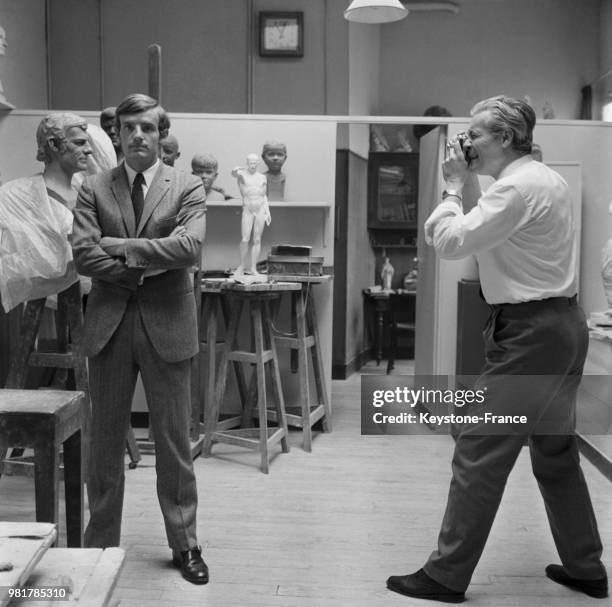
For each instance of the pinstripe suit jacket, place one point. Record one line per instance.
(166, 301)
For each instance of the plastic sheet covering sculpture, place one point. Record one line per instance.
(35, 255)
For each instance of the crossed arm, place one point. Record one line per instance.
(100, 251)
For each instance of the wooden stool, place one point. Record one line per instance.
(304, 340)
(255, 296)
(214, 313)
(43, 420)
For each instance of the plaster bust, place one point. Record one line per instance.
(64, 147)
(206, 166)
(169, 150)
(274, 154)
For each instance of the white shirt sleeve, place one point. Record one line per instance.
(500, 211)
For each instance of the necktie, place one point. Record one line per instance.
(138, 196)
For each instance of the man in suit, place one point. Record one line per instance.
(138, 230)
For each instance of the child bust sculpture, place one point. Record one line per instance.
(274, 154)
(206, 166)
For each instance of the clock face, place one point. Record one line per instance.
(281, 34)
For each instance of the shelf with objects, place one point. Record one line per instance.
(393, 186)
(235, 204)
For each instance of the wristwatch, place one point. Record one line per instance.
(450, 192)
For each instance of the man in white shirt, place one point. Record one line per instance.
(521, 231)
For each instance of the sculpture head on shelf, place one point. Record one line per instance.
(169, 150)
(206, 167)
(274, 154)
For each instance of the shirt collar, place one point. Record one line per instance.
(148, 174)
(514, 165)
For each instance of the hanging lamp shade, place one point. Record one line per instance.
(375, 11)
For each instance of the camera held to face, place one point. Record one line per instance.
(461, 138)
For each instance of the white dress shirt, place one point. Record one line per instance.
(147, 174)
(521, 232)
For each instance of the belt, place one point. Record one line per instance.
(536, 304)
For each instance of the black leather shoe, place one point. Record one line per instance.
(595, 588)
(421, 586)
(192, 565)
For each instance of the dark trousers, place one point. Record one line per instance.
(112, 376)
(534, 354)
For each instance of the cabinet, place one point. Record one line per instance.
(393, 180)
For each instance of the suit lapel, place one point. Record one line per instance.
(157, 190)
(121, 191)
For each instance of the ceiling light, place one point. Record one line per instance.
(375, 11)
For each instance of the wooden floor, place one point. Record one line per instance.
(326, 529)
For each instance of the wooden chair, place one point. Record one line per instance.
(67, 357)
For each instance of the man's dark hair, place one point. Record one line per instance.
(137, 103)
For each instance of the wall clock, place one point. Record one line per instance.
(281, 34)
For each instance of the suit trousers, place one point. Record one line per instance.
(112, 376)
(546, 340)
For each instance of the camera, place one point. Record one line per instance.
(462, 138)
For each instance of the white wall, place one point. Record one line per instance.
(591, 144)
